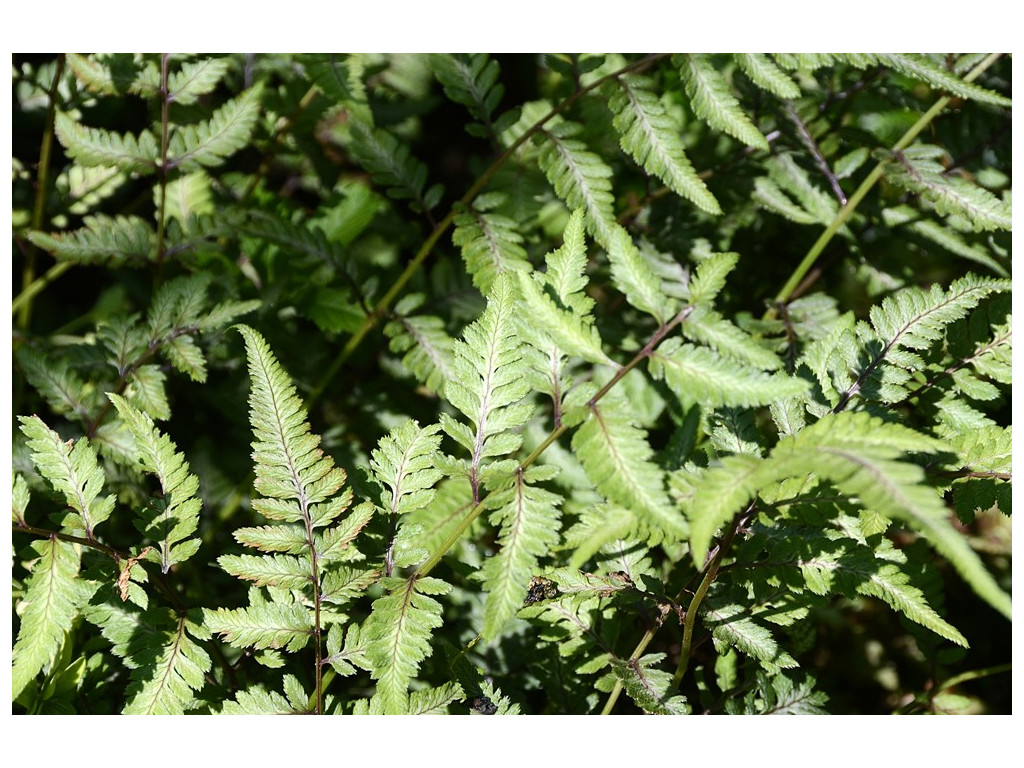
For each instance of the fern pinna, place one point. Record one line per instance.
(665, 383)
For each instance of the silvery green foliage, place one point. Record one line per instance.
(570, 456)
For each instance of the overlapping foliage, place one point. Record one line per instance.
(636, 391)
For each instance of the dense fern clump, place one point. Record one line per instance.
(357, 384)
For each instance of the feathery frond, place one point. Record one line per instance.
(73, 470)
(174, 517)
(649, 135)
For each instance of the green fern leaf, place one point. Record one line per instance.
(529, 521)
(558, 308)
(429, 350)
(709, 280)
(708, 327)
(118, 241)
(258, 701)
(265, 625)
(110, 73)
(95, 146)
(398, 636)
(712, 100)
(579, 177)
(340, 78)
(291, 470)
(167, 665)
(284, 571)
(765, 74)
(911, 320)
(652, 689)
(47, 610)
(490, 243)
(73, 470)
(947, 237)
(698, 375)
(920, 66)
(403, 465)
(779, 695)
(209, 143)
(650, 136)
(391, 164)
(634, 277)
(616, 456)
(489, 382)
(832, 563)
(732, 626)
(917, 169)
(195, 79)
(471, 80)
(175, 515)
(771, 197)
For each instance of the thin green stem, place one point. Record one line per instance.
(382, 307)
(872, 178)
(165, 127)
(698, 597)
(36, 286)
(28, 271)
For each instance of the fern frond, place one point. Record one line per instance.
(290, 467)
(471, 80)
(47, 610)
(649, 135)
(708, 327)
(918, 170)
(95, 146)
(914, 319)
(391, 164)
(712, 100)
(263, 625)
(947, 237)
(617, 458)
(258, 701)
(732, 626)
(118, 241)
(398, 636)
(650, 688)
(209, 143)
(429, 350)
(921, 67)
(566, 317)
(632, 274)
(860, 455)
(403, 464)
(175, 516)
(110, 73)
(340, 78)
(490, 243)
(699, 375)
(195, 79)
(579, 177)
(73, 470)
(167, 664)
(64, 391)
(490, 382)
(709, 279)
(831, 563)
(763, 72)
(528, 517)
(780, 695)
